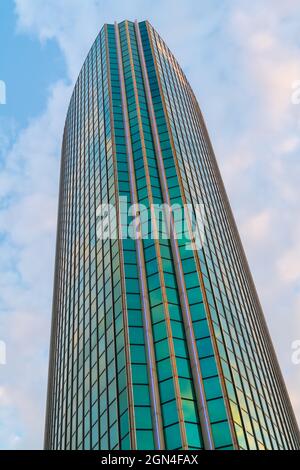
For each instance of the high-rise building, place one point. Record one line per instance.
(158, 341)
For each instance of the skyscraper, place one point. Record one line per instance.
(158, 341)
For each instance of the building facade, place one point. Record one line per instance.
(158, 341)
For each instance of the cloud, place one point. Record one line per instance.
(28, 224)
(72, 23)
(270, 58)
(242, 59)
(256, 228)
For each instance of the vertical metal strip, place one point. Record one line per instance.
(152, 370)
(132, 431)
(195, 365)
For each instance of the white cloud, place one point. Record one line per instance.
(256, 228)
(289, 268)
(288, 262)
(28, 224)
(270, 185)
(290, 144)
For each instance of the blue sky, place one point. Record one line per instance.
(242, 59)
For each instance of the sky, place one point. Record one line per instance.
(242, 60)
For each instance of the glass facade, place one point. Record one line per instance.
(154, 345)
